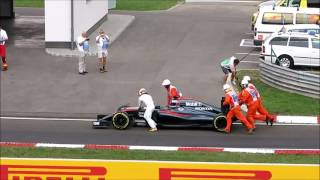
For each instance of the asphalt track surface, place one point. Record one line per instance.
(79, 132)
(185, 45)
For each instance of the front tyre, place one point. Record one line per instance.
(220, 122)
(121, 120)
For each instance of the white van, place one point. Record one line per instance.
(272, 19)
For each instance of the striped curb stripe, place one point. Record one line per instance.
(298, 119)
(164, 148)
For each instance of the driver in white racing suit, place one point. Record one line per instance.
(145, 100)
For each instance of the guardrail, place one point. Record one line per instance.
(303, 83)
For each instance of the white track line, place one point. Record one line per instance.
(249, 150)
(250, 45)
(281, 123)
(253, 62)
(160, 148)
(251, 54)
(46, 119)
(60, 145)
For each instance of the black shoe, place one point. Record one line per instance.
(82, 73)
(85, 72)
(270, 120)
(102, 70)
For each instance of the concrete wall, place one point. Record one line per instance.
(57, 21)
(87, 15)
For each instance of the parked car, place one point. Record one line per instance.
(273, 19)
(292, 49)
(303, 28)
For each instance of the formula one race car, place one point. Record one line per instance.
(182, 113)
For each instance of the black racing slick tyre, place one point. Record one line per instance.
(220, 122)
(121, 120)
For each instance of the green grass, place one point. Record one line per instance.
(136, 5)
(282, 102)
(145, 5)
(156, 155)
(29, 3)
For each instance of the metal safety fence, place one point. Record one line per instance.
(299, 82)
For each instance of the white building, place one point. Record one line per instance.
(65, 20)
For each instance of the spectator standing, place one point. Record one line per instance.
(103, 42)
(3, 50)
(83, 47)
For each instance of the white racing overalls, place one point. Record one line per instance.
(146, 101)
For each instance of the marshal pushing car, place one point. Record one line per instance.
(182, 113)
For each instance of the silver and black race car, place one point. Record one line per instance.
(182, 113)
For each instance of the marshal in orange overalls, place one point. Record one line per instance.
(248, 97)
(260, 108)
(231, 99)
(173, 93)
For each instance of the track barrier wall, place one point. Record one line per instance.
(299, 82)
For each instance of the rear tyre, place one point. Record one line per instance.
(121, 120)
(220, 122)
(285, 61)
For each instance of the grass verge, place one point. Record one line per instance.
(25, 152)
(135, 5)
(29, 3)
(145, 5)
(282, 102)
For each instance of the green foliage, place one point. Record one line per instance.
(145, 5)
(282, 102)
(29, 3)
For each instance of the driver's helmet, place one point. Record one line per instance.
(142, 91)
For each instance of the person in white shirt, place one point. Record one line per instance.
(103, 42)
(228, 65)
(83, 47)
(3, 51)
(145, 100)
